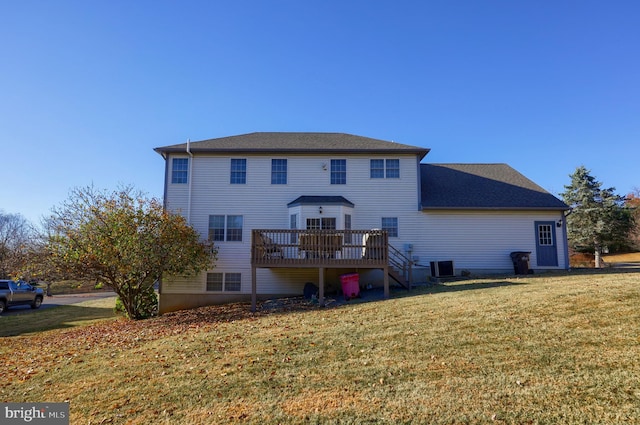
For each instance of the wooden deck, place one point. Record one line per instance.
(321, 249)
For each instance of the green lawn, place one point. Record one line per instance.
(556, 348)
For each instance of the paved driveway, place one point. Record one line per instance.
(58, 300)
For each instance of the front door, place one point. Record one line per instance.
(546, 247)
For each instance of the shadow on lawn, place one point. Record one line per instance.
(496, 281)
(58, 317)
(457, 287)
(296, 304)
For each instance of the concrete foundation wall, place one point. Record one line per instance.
(175, 302)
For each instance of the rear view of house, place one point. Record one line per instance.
(285, 209)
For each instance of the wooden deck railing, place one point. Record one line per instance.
(319, 248)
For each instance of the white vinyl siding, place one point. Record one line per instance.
(481, 240)
(264, 205)
(474, 240)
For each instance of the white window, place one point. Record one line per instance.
(328, 223)
(238, 171)
(278, 171)
(545, 235)
(385, 168)
(390, 224)
(225, 228)
(224, 282)
(347, 228)
(338, 171)
(180, 170)
(293, 225)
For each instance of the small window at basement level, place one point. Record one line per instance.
(224, 282)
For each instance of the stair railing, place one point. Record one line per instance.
(402, 263)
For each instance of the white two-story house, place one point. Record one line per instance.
(284, 209)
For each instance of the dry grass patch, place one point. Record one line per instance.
(632, 257)
(540, 349)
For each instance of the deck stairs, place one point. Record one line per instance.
(400, 267)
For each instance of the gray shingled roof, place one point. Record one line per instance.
(482, 186)
(295, 143)
(320, 200)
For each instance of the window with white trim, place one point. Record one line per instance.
(347, 228)
(180, 170)
(238, 171)
(232, 282)
(293, 225)
(225, 228)
(377, 169)
(392, 168)
(278, 171)
(338, 171)
(327, 223)
(214, 281)
(545, 235)
(390, 224)
(385, 168)
(224, 282)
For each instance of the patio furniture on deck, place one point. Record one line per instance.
(265, 247)
(315, 245)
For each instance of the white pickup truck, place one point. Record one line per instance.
(19, 293)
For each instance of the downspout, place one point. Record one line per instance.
(189, 182)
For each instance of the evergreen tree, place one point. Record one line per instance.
(633, 204)
(598, 217)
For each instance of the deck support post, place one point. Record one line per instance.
(254, 287)
(321, 286)
(386, 282)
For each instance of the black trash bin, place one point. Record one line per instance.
(520, 261)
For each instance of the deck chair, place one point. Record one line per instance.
(265, 247)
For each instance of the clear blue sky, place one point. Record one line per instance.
(89, 88)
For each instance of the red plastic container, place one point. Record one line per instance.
(350, 285)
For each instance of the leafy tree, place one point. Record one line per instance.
(125, 241)
(633, 203)
(598, 217)
(16, 235)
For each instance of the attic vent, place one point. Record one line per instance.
(442, 268)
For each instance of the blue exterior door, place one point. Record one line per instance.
(546, 247)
